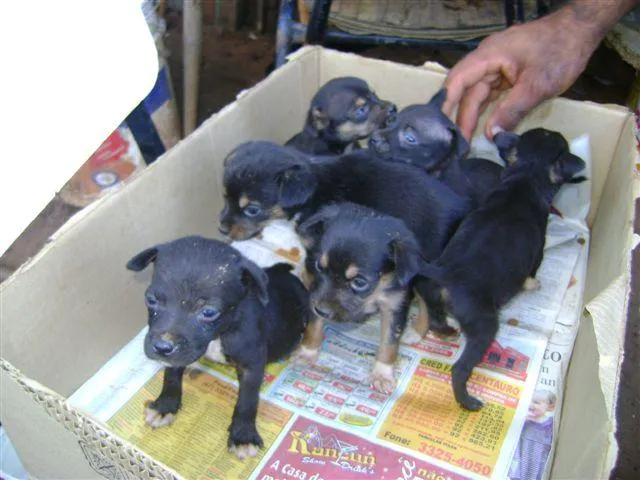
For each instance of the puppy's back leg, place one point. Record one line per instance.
(480, 329)
(432, 294)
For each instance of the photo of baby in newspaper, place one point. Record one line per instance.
(534, 446)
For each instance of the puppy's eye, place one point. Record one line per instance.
(409, 136)
(209, 314)
(359, 284)
(360, 113)
(151, 300)
(252, 210)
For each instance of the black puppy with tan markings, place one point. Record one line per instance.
(344, 111)
(497, 249)
(363, 262)
(204, 290)
(423, 136)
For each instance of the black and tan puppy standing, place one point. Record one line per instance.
(264, 180)
(423, 136)
(202, 290)
(361, 262)
(344, 111)
(497, 249)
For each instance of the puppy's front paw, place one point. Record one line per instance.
(244, 440)
(531, 284)
(161, 412)
(381, 378)
(305, 355)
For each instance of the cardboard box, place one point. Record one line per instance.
(74, 306)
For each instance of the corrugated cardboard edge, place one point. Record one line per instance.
(93, 437)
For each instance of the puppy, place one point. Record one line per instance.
(203, 290)
(275, 180)
(498, 248)
(423, 136)
(342, 112)
(363, 262)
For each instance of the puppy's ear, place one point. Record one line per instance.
(565, 169)
(407, 259)
(506, 143)
(314, 227)
(297, 184)
(438, 99)
(255, 278)
(319, 119)
(460, 147)
(142, 259)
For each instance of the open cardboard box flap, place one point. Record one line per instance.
(74, 306)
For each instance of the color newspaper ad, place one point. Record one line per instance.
(324, 421)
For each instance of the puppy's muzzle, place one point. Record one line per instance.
(163, 347)
(224, 229)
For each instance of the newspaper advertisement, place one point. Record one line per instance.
(324, 421)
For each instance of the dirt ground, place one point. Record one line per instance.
(232, 62)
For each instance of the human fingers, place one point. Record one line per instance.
(470, 105)
(515, 105)
(463, 76)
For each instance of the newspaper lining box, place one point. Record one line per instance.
(76, 306)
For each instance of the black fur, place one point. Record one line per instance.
(202, 290)
(342, 112)
(472, 178)
(499, 245)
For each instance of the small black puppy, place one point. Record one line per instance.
(342, 112)
(423, 136)
(497, 249)
(203, 290)
(264, 180)
(362, 262)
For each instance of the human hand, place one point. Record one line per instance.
(530, 62)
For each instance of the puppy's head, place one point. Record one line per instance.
(362, 261)
(263, 181)
(422, 136)
(345, 109)
(543, 151)
(196, 284)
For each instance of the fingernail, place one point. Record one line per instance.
(495, 130)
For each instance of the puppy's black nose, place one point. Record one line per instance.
(321, 312)
(392, 110)
(224, 229)
(163, 347)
